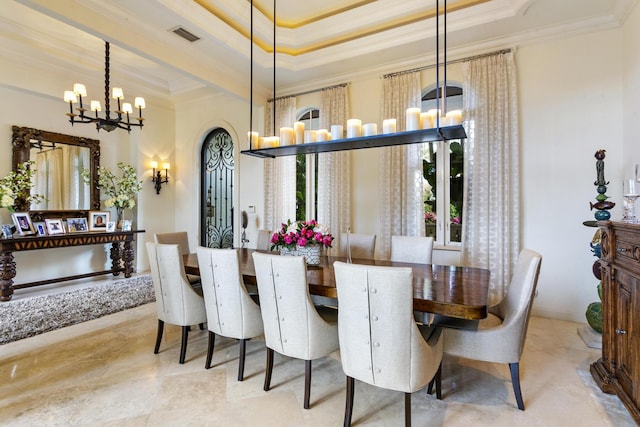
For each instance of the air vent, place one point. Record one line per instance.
(185, 34)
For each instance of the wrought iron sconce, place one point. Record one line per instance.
(157, 177)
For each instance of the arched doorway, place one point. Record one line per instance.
(216, 198)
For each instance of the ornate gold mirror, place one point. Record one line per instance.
(59, 161)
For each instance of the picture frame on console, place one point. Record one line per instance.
(54, 226)
(77, 225)
(23, 223)
(111, 226)
(41, 228)
(98, 220)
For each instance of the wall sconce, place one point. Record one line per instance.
(157, 178)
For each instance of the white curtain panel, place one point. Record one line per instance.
(279, 173)
(334, 169)
(491, 216)
(401, 199)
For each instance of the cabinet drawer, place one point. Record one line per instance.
(627, 253)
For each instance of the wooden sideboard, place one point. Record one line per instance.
(121, 255)
(618, 370)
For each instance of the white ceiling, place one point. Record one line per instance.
(318, 42)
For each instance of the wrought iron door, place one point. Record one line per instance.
(216, 199)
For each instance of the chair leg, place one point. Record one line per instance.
(438, 381)
(268, 370)
(243, 350)
(210, 346)
(515, 380)
(158, 336)
(307, 383)
(348, 407)
(407, 409)
(183, 347)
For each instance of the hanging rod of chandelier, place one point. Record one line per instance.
(121, 117)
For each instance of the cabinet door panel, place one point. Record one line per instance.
(624, 329)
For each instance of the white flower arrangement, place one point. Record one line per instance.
(121, 190)
(15, 188)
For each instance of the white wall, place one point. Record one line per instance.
(631, 93)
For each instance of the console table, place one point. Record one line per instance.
(121, 255)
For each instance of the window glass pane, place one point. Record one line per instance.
(429, 169)
(456, 185)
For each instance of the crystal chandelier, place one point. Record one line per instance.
(108, 123)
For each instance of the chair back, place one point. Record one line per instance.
(180, 238)
(363, 246)
(380, 343)
(515, 308)
(264, 240)
(415, 249)
(176, 301)
(292, 326)
(230, 310)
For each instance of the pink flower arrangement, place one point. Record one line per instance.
(301, 233)
(430, 217)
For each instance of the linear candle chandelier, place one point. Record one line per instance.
(440, 132)
(108, 123)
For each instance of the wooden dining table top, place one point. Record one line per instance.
(453, 291)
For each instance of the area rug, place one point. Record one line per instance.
(32, 316)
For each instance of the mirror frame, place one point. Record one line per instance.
(22, 140)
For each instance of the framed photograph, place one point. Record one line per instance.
(76, 225)
(98, 220)
(54, 226)
(7, 231)
(111, 226)
(22, 220)
(41, 228)
(126, 225)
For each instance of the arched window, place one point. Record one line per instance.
(443, 173)
(306, 170)
(216, 198)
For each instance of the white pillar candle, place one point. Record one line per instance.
(369, 129)
(298, 129)
(321, 135)
(354, 128)
(275, 141)
(328, 136)
(413, 118)
(389, 126)
(453, 118)
(254, 140)
(309, 136)
(262, 143)
(433, 114)
(287, 136)
(425, 121)
(337, 132)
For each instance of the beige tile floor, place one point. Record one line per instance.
(104, 373)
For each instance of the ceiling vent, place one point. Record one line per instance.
(185, 34)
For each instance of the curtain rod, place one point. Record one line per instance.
(308, 92)
(470, 58)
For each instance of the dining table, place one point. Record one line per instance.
(453, 291)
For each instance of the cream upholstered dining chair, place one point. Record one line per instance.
(292, 325)
(415, 249)
(264, 240)
(176, 301)
(380, 343)
(180, 238)
(499, 338)
(231, 312)
(363, 246)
